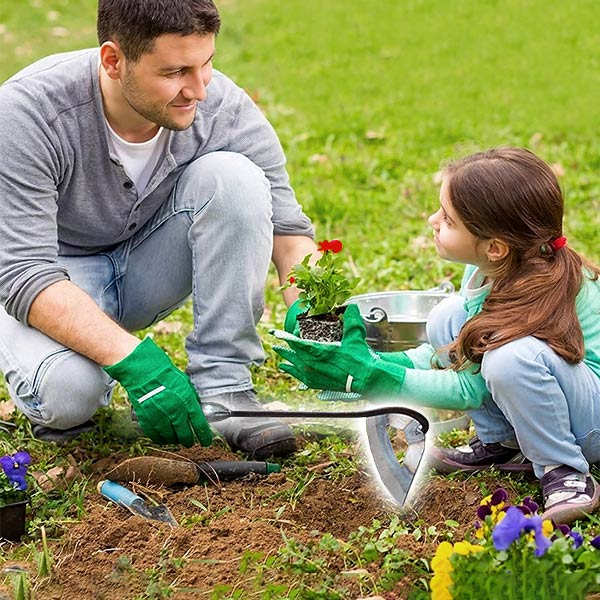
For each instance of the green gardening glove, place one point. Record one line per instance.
(398, 358)
(346, 366)
(163, 397)
(299, 307)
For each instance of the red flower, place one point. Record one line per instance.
(292, 280)
(334, 246)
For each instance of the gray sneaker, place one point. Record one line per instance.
(259, 437)
(569, 495)
(61, 436)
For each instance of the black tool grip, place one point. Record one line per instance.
(234, 469)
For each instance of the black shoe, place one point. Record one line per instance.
(569, 495)
(259, 437)
(477, 456)
(61, 436)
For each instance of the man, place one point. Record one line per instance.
(132, 176)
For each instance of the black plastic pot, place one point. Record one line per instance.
(12, 521)
(322, 328)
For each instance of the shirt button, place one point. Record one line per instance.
(128, 185)
(132, 226)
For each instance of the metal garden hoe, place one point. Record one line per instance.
(396, 478)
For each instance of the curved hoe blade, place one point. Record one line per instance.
(396, 478)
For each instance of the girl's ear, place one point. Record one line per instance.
(496, 250)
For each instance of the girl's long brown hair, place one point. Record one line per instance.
(511, 195)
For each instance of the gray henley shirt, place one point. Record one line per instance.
(62, 191)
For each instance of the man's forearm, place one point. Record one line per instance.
(67, 314)
(289, 250)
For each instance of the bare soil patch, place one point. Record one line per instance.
(113, 555)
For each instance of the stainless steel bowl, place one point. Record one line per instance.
(396, 320)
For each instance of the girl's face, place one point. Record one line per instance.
(453, 241)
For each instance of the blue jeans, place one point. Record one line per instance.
(212, 240)
(551, 407)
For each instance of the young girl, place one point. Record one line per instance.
(520, 345)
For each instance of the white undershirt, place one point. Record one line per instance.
(139, 159)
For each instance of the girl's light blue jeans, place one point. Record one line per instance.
(212, 240)
(551, 407)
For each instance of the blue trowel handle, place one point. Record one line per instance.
(117, 493)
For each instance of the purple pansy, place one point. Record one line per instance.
(530, 505)
(513, 525)
(483, 511)
(15, 467)
(498, 496)
(596, 542)
(577, 538)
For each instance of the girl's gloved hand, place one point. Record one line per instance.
(349, 366)
(163, 397)
(398, 358)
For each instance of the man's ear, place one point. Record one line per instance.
(496, 250)
(112, 59)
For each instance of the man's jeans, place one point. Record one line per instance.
(552, 408)
(213, 240)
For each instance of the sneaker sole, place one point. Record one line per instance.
(60, 436)
(449, 466)
(564, 514)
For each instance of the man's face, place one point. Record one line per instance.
(164, 85)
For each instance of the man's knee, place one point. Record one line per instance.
(228, 183)
(67, 393)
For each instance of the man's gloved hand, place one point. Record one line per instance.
(349, 366)
(163, 397)
(291, 316)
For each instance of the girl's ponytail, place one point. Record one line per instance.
(512, 195)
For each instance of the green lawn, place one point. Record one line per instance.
(369, 99)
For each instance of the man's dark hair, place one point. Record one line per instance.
(135, 24)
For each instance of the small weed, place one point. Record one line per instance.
(161, 582)
(22, 587)
(44, 561)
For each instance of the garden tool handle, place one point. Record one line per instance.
(217, 412)
(117, 493)
(234, 469)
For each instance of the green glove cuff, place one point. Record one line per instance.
(291, 316)
(146, 358)
(381, 379)
(397, 358)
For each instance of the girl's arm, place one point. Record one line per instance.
(434, 388)
(446, 389)
(413, 358)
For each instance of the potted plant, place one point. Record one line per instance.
(13, 495)
(324, 287)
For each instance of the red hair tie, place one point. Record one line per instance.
(558, 243)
